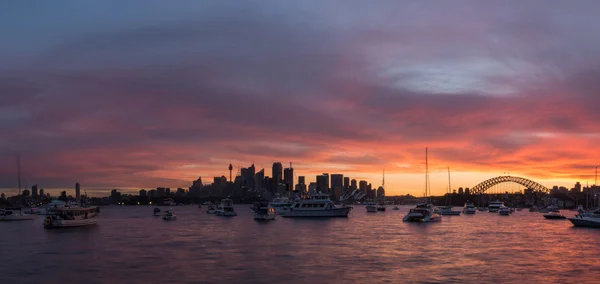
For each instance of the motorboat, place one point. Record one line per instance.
(318, 205)
(14, 214)
(395, 208)
(504, 211)
(169, 215)
(447, 211)
(156, 212)
(72, 217)
(211, 209)
(587, 219)
(469, 208)
(226, 208)
(423, 213)
(554, 216)
(371, 207)
(263, 211)
(381, 207)
(495, 206)
(169, 202)
(280, 204)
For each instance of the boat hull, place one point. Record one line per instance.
(264, 217)
(380, 208)
(451, 213)
(419, 218)
(335, 212)
(54, 224)
(586, 222)
(555, 217)
(371, 209)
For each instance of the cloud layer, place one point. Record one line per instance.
(154, 95)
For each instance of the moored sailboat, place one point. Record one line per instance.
(423, 212)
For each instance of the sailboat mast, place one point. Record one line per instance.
(426, 173)
(449, 188)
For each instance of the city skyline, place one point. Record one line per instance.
(138, 97)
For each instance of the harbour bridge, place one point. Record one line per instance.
(487, 184)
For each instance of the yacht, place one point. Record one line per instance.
(72, 217)
(14, 214)
(381, 207)
(280, 204)
(495, 206)
(169, 215)
(371, 207)
(423, 212)
(263, 211)
(504, 211)
(318, 205)
(447, 210)
(211, 209)
(156, 212)
(169, 202)
(469, 208)
(226, 208)
(554, 216)
(587, 219)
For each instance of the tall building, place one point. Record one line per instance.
(160, 192)
(77, 191)
(277, 172)
(288, 178)
(362, 186)
(312, 188)
(34, 191)
(337, 183)
(42, 192)
(301, 180)
(259, 180)
(346, 184)
(381, 193)
(322, 184)
(248, 177)
(327, 181)
(353, 186)
(460, 191)
(467, 191)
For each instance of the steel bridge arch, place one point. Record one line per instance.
(487, 184)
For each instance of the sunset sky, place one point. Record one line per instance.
(140, 94)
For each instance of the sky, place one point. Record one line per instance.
(141, 94)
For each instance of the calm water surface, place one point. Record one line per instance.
(129, 245)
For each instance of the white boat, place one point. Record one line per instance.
(587, 219)
(371, 207)
(226, 208)
(169, 202)
(504, 211)
(495, 206)
(72, 217)
(423, 212)
(319, 205)
(469, 208)
(280, 204)
(156, 212)
(263, 211)
(169, 215)
(211, 209)
(14, 214)
(447, 211)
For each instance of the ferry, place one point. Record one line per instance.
(72, 217)
(495, 206)
(280, 204)
(14, 214)
(319, 205)
(371, 207)
(226, 208)
(469, 208)
(423, 213)
(263, 211)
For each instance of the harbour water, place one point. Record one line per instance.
(129, 245)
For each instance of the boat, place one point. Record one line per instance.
(169, 215)
(226, 208)
(554, 215)
(504, 211)
(280, 204)
(395, 208)
(169, 202)
(495, 206)
(318, 205)
(447, 210)
(156, 212)
(211, 209)
(371, 207)
(381, 207)
(263, 211)
(423, 212)
(587, 219)
(72, 217)
(482, 209)
(14, 214)
(469, 208)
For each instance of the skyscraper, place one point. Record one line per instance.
(77, 191)
(337, 183)
(327, 182)
(362, 186)
(288, 177)
(322, 184)
(277, 172)
(259, 180)
(42, 192)
(301, 180)
(346, 183)
(353, 186)
(34, 191)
